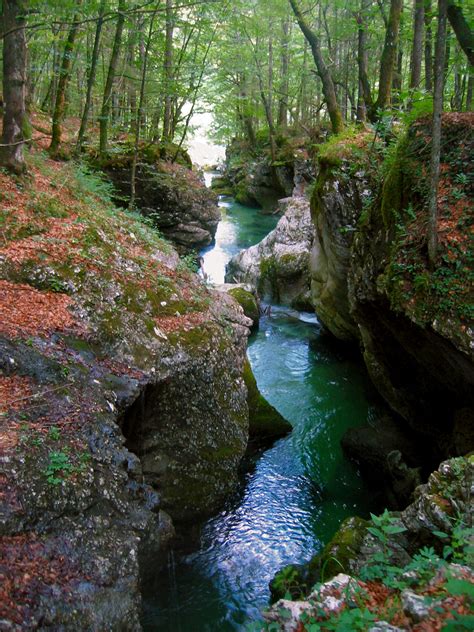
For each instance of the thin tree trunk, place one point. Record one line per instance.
(64, 76)
(389, 56)
(365, 101)
(428, 48)
(14, 86)
(139, 114)
(168, 72)
(464, 33)
(284, 75)
(337, 122)
(107, 100)
(91, 77)
(436, 133)
(417, 48)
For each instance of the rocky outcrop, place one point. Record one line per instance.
(171, 195)
(341, 192)
(278, 267)
(415, 323)
(246, 297)
(260, 182)
(367, 564)
(265, 422)
(122, 403)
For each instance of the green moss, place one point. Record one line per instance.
(269, 273)
(243, 196)
(265, 422)
(298, 580)
(248, 303)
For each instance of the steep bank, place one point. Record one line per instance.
(371, 281)
(416, 323)
(123, 400)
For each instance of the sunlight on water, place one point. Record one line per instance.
(300, 489)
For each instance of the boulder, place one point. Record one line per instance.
(278, 267)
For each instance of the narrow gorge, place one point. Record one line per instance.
(236, 316)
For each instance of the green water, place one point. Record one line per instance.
(291, 503)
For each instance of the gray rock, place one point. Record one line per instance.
(414, 606)
(336, 205)
(278, 267)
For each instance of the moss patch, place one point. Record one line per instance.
(247, 302)
(265, 421)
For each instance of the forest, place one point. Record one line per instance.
(236, 393)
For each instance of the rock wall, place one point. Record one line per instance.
(122, 403)
(170, 194)
(341, 191)
(415, 323)
(371, 281)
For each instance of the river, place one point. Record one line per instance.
(295, 495)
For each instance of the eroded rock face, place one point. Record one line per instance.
(278, 267)
(337, 202)
(414, 323)
(171, 195)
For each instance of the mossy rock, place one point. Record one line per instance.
(248, 303)
(298, 580)
(243, 195)
(265, 421)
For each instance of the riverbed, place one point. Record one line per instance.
(292, 499)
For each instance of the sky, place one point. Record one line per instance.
(202, 150)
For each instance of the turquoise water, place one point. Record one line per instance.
(292, 501)
(240, 228)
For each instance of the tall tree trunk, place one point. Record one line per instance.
(337, 122)
(469, 93)
(428, 48)
(389, 56)
(64, 75)
(107, 100)
(91, 77)
(365, 95)
(417, 48)
(168, 72)
(139, 114)
(440, 52)
(464, 33)
(14, 85)
(284, 74)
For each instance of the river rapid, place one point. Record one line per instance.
(294, 495)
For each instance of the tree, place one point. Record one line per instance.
(388, 59)
(65, 73)
(91, 77)
(107, 98)
(463, 31)
(417, 48)
(14, 85)
(440, 52)
(329, 92)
